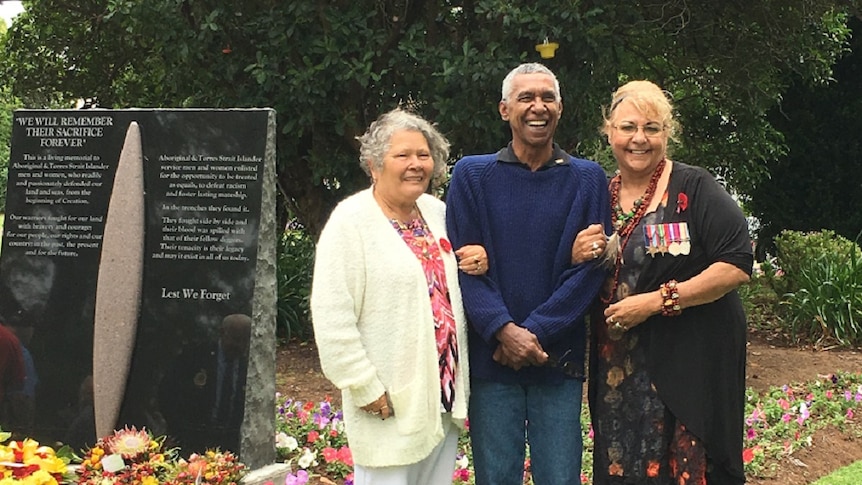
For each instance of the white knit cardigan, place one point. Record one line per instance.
(375, 331)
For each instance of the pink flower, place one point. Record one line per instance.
(786, 418)
(784, 404)
(829, 394)
(301, 478)
(329, 454)
(751, 434)
(849, 413)
(591, 434)
(345, 456)
(312, 436)
(461, 474)
(584, 478)
(755, 417)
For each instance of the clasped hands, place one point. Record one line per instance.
(518, 347)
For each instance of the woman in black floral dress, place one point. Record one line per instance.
(667, 360)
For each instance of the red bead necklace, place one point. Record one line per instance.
(625, 224)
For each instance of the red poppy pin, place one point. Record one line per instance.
(445, 245)
(681, 202)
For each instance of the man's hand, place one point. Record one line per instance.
(518, 347)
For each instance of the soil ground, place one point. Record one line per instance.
(771, 362)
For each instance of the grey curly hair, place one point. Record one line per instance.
(376, 141)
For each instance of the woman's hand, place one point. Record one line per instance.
(472, 259)
(715, 281)
(633, 310)
(589, 244)
(380, 407)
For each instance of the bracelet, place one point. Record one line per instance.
(669, 299)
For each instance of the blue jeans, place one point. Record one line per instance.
(504, 416)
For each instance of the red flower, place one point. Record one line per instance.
(227, 49)
(312, 436)
(445, 245)
(747, 455)
(681, 202)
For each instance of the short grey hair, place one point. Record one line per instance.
(376, 141)
(528, 68)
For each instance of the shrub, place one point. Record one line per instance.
(823, 279)
(760, 302)
(294, 268)
(797, 250)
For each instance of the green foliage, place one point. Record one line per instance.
(823, 280)
(8, 103)
(760, 302)
(295, 255)
(848, 475)
(815, 185)
(330, 67)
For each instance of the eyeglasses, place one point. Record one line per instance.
(569, 368)
(650, 129)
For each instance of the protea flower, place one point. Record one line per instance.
(129, 443)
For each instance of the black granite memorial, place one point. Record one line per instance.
(199, 366)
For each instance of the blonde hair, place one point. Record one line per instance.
(649, 99)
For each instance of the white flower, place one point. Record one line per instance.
(282, 440)
(307, 459)
(462, 462)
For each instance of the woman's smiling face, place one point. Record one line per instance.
(640, 151)
(407, 167)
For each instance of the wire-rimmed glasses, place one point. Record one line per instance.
(630, 129)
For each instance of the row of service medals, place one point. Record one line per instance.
(672, 237)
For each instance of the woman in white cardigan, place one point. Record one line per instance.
(386, 310)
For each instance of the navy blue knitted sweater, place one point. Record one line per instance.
(527, 222)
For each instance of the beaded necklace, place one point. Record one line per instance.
(625, 223)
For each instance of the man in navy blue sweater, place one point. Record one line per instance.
(525, 204)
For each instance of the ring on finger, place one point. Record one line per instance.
(595, 253)
(595, 245)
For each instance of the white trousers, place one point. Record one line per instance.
(436, 469)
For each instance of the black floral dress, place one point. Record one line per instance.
(637, 439)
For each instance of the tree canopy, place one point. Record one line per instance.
(818, 184)
(329, 67)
